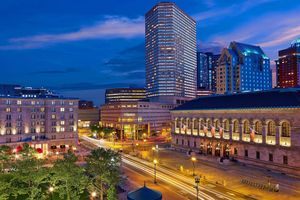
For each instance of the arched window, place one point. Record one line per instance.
(258, 127)
(271, 129)
(236, 126)
(195, 123)
(201, 124)
(246, 127)
(285, 129)
(208, 123)
(217, 124)
(226, 125)
(177, 123)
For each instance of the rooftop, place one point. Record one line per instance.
(277, 98)
(144, 193)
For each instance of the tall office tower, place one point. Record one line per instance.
(170, 54)
(206, 70)
(288, 66)
(243, 67)
(202, 71)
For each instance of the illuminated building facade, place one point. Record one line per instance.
(46, 123)
(170, 54)
(260, 128)
(206, 70)
(133, 119)
(288, 66)
(243, 67)
(125, 94)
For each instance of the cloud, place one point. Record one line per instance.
(233, 9)
(64, 71)
(110, 28)
(127, 62)
(269, 31)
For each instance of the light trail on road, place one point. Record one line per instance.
(172, 177)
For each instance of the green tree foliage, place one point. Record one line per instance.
(104, 165)
(5, 156)
(68, 179)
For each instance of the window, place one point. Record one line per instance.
(19, 102)
(188, 143)
(195, 144)
(270, 157)
(258, 155)
(53, 116)
(62, 122)
(246, 127)
(182, 142)
(258, 127)
(285, 160)
(62, 109)
(62, 129)
(271, 130)
(176, 140)
(236, 126)
(235, 151)
(8, 109)
(285, 129)
(246, 153)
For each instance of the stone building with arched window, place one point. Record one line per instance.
(260, 128)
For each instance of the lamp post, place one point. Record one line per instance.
(197, 181)
(51, 189)
(155, 163)
(193, 161)
(153, 149)
(93, 194)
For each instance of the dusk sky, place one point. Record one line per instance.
(79, 48)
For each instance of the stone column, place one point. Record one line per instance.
(230, 131)
(277, 136)
(241, 131)
(264, 133)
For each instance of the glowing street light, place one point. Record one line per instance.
(94, 194)
(193, 161)
(51, 189)
(155, 163)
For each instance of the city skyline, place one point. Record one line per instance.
(67, 49)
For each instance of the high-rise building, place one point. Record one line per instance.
(206, 70)
(125, 94)
(288, 66)
(243, 67)
(170, 54)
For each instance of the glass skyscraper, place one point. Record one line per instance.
(206, 70)
(243, 67)
(170, 54)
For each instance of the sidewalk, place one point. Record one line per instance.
(230, 175)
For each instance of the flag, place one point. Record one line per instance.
(252, 134)
(221, 131)
(213, 130)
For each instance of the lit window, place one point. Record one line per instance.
(62, 109)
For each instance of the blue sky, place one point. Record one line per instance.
(79, 48)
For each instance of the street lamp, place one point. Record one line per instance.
(153, 149)
(51, 189)
(155, 163)
(197, 181)
(193, 161)
(94, 194)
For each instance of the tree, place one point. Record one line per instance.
(29, 179)
(68, 179)
(5, 155)
(103, 165)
